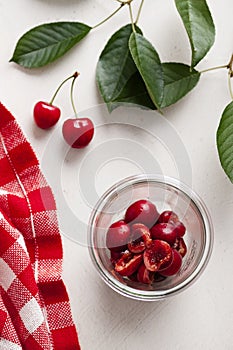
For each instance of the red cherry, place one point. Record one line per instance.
(142, 211)
(180, 229)
(175, 266)
(78, 132)
(46, 114)
(118, 236)
(165, 232)
(157, 256)
(168, 216)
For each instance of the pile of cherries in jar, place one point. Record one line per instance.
(146, 246)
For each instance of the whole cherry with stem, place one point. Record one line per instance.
(46, 114)
(77, 132)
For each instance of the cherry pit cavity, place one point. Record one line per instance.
(146, 246)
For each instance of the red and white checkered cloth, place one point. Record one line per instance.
(34, 306)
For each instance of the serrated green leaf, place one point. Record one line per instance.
(135, 93)
(47, 42)
(115, 65)
(178, 81)
(225, 140)
(149, 66)
(199, 26)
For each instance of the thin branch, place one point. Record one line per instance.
(131, 17)
(110, 16)
(214, 68)
(139, 12)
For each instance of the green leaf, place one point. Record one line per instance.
(115, 66)
(46, 43)
(225, 140)
(134, 92)
(149, 65)
(199, 26)
(178, 80)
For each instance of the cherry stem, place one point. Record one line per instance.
(214, 68)
(110, 16)
(131, 16)
(62, 83)
(229, 66)
(72, 93)
(139, 12)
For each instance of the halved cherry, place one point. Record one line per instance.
(142, 211)
(168, 216)
(144, 275)
(165, 232)
(128, 264)
(139, 238)
(175, 266)
(180, 246)
(118, 236)
(158, 255)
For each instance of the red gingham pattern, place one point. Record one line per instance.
(34, 305)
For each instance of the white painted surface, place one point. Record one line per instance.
(202, 316)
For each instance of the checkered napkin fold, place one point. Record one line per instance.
(35, 312)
